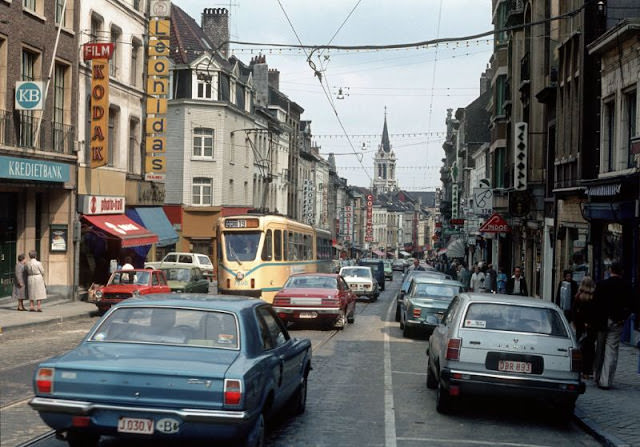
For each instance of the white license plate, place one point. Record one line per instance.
(511, 366)
(135, 425)
(308, 315)
(306, 301)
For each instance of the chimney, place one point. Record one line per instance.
(274, 78)
(261, 78)
(215, 24)
(485, 80)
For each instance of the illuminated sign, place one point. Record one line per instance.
(99, 136)
(368, 235)
(157, 90)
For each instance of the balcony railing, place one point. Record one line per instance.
(19, 129)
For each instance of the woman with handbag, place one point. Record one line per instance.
(584, 314)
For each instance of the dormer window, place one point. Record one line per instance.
(205, 85)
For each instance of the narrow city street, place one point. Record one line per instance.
(367, 388)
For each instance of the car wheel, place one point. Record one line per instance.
(443, 400)
(82, 440)
(341, 322)
(565, 411)
(398, 312)
(256, 437)
(406, 331)
(352, 316)
(299, 400)
(432, 382)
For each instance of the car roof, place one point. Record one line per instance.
(328, 275)
(426, 279)
(506, 299)
(231, 303)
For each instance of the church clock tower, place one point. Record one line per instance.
(384, 164)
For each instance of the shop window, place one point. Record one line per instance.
(611, 246)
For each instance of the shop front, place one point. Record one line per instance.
(108, 236)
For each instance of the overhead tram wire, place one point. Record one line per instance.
(318, 74)
(433, 74)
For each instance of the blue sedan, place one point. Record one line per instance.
(176, 367)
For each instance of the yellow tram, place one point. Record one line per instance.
(257, 253)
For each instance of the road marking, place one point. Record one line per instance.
(449, 441)
(410, 373)
(16, 403)
(389, 408)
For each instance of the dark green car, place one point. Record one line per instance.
(186, 279)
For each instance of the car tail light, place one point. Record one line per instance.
(453, 349)
(253, 283)
(367, 286)
(80, 421)
(416, 313)
(44, 380)
(232, 391)
(576, 360)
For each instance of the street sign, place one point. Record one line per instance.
(29, 95)
(482, 201)
(495, 224)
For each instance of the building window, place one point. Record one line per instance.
(113, 135)
(136, 5)
(60, 13)
(96, 29)
(201, 191)
(501, 23)
(29, 4)
(630, 100)
(231, 196)
(27, 122)
(609, 135)
(60, 130)
(202, 142)
(116, 33)
(499, 167)
(135, 58)
(134, 147)
(501, 94)
(246, 193)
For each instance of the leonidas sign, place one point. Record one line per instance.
(99, 54)
(495, 224)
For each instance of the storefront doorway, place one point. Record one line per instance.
(8, 237)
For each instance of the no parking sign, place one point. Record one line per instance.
(29, 95)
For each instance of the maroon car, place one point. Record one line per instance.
(124, 284)
(322, 297)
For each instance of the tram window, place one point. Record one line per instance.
(277, 248)
(291, 252)
(266, 248)
(241, 246)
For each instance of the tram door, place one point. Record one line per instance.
(8, 236)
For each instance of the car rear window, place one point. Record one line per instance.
(356, 272)
(514, 318)
(311, 282)
(166, 325)
(435, 290)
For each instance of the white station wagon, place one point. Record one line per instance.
(361, 282)
(514, 346)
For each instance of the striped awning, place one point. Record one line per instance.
(604, 190)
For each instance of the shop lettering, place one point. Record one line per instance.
(111, 205)
(24, 169)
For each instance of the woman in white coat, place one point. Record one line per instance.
(477, 280)
(35, 282)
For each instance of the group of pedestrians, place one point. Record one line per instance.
(598, 313)
(28, 282)
(485, 278)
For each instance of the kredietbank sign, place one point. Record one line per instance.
(27, 169)
(29, 95)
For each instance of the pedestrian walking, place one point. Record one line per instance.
(476, 284)
(491, 278)
(464, 277)
(566, 292)
(36, 288)
(19, 283)
(517, 285)
(583, 316)
(501, 280)
(416, 265)
(613, 298)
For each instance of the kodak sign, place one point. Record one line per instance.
(99, 136)
(157, 91)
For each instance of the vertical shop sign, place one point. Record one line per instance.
(348, 217)
(368, 237)
(99, 55)
(157, 89)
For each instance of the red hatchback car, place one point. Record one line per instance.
(322, 297)
(125, 284)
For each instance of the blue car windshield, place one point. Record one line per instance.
(167, 325)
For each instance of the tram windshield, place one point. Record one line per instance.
(241, 246)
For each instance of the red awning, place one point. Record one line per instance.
(131, 233)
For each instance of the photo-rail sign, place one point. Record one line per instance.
(495, 224)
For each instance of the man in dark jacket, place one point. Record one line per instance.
(566, 292)
(516, 285)
(612, 299)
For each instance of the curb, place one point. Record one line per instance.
(53, 320)
(602, 436)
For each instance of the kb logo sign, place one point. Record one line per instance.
(29, 95)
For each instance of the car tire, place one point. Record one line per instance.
(299, 398)
(432, 382)
(565, 411)
(256, 437)
(443, 400)
(397, 312)
(407, 332)
(352, 316)
(341, 321)
(82, 440)
(401, 322)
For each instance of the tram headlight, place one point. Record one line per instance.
(240, 276)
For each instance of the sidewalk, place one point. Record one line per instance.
(611, 416)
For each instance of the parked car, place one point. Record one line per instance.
(176, 368)
(125, 284)
(398, 265)
(377, 268)
(186, 279)
(179, 259)
(504, 345)
(361, 281)
(425, 302)
(406, 282)
(388, 270)
(321, 297)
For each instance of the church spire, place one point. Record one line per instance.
(386, 145)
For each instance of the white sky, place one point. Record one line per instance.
(416, 85)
